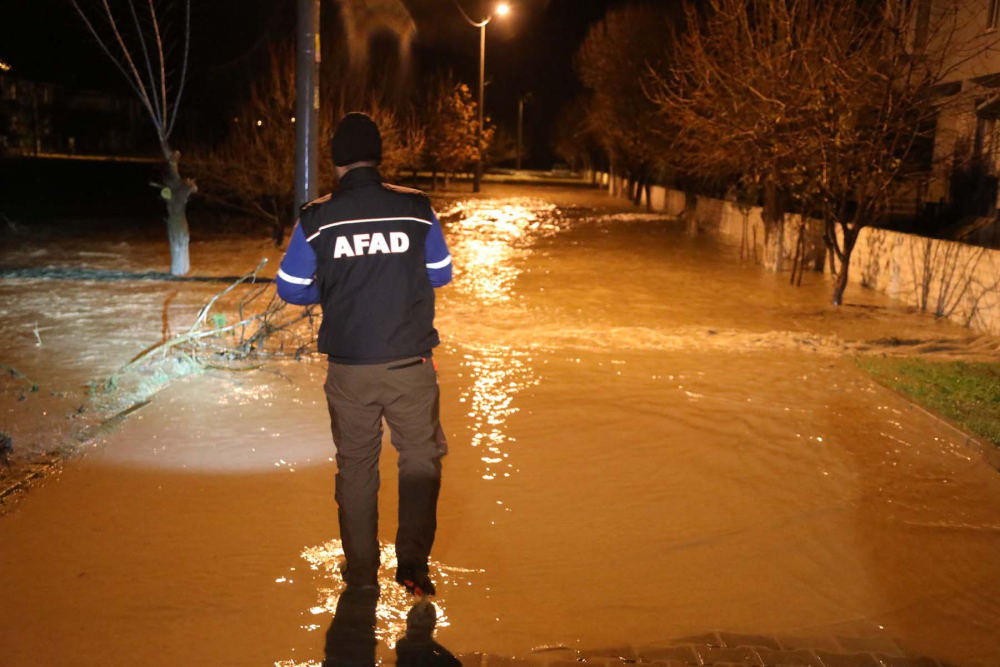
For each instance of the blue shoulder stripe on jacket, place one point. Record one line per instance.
(297, 274)
(436, 254)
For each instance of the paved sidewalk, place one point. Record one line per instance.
(727, 649)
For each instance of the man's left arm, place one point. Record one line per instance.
(297, 274)
(436, 255)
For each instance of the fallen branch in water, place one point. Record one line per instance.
(266, 332)
(208, 306)
(106, 275)
(265, 328)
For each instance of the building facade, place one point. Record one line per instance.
(963, 191)
(39, 119)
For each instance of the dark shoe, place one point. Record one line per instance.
(415, 580)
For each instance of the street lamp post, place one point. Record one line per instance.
(477, 183)
(501, 10)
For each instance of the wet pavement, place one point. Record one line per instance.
(648, 441)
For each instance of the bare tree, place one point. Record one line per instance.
(573, 139)
(140, 48)
(830, 106)
(731, 88)
(503, 148)
(452, 122)
(875, 116)
(404, 138)
(612, 63)
(250, 171)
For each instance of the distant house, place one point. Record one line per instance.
(38, 119)
(963, 190)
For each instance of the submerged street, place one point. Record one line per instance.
(648, 440)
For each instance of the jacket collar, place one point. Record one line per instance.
(359, 177)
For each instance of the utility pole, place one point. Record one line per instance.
(520, 127)
(306, 119)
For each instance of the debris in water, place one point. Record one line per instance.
(6, 448)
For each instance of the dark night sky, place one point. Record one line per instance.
(529, 51)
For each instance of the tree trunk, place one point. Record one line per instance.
(434, 179)
(649, 196)
(840, 284)
(829, 241)
(802, 259)
(774, 228)
(176, 193)
(447, 180)
(637, 193)
(799, 263)
(691, 212)
(744, 241)
(278, 231)
(280, 225)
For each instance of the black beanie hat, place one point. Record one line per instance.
(356, 139)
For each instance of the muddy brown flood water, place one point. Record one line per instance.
(647, 441)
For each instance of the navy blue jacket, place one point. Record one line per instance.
(371, 254)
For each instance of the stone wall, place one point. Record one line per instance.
(726, 217)
(952, 280)
(949, 279)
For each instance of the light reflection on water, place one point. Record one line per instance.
(248, 395)
(493, 241)
(394, 601)
(498, 373)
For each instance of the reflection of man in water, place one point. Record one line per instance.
(418, 648)
(371, 254)
(351, 641)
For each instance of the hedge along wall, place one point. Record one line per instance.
(952, 280)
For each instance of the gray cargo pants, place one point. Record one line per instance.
(406, 393)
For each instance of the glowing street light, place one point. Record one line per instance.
(501, 10)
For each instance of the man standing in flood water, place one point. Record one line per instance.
(372, 254)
